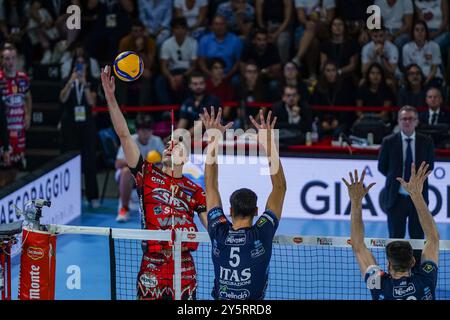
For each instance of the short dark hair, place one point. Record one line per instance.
(259, 31)
(215, 60)
(179, 22)
(196, 74)
(290, 86)
(408, 109)
(244, 203)
(137, 23)
(400, 255)
(8, 46)
(424, 24)
(144, 121)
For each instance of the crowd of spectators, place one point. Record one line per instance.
(292, 53)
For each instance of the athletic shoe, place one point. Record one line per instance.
(123, 215)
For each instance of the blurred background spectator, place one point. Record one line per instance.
(314, 16)
(397, 18)
(265, 55)
(435, 13)
(156, 16)
(239, 16)
(276, 17)
(250, 90)
(195, 12)
(413, 92)
(333, 91)
(425, 53)
(374, 91)
(220, 43)
(178, 59)
(198, 99)
(292, 112)
(139, 92)
(381, 51)
(111, 21)
(77, 122)
(340, 48)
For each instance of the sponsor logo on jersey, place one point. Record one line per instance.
(428, 267)
(236, 239)
(349, 241)
(325, 241)
(157, 180)
(233, 294)
(261, 221)
(165, 196)
(258, 251)
(148, 280)
(157, 210)
(401, 291)
(297, 240)
(219, 221)
(177, 221)
(191, 236)
(215, 214)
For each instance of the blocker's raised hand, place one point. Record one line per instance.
(211, 121)
(415, 184)
(108, 81)
(356, 189)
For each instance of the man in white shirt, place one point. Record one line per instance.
(178, 59)
(147, 144)
(397, 18)
(425, 53)
(381, 51)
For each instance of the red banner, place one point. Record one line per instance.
(37, 266)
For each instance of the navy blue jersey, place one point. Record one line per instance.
(418, 286)
(241, 257)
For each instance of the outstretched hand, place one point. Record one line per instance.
(211, 121)
(265, 129)
(415, 184)
(356, 189)
(108, 81)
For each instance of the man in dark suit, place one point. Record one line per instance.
(292, 112)
(398, 152)
(435, 114)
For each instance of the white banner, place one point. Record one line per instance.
(61, 186)
(314, 186)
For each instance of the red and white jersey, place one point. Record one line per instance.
(13, 91)
(160, 208)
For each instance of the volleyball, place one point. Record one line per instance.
(154, 157)
(128, 66)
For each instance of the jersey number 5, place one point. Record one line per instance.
(235, 259)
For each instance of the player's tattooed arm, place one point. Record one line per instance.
(130, 148)
(357, 191)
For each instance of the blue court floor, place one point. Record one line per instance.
(90, 254)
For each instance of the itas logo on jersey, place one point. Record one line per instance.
(236, 239)
(165, 196)
(402, 291)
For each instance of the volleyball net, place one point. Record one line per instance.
(301, 268)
